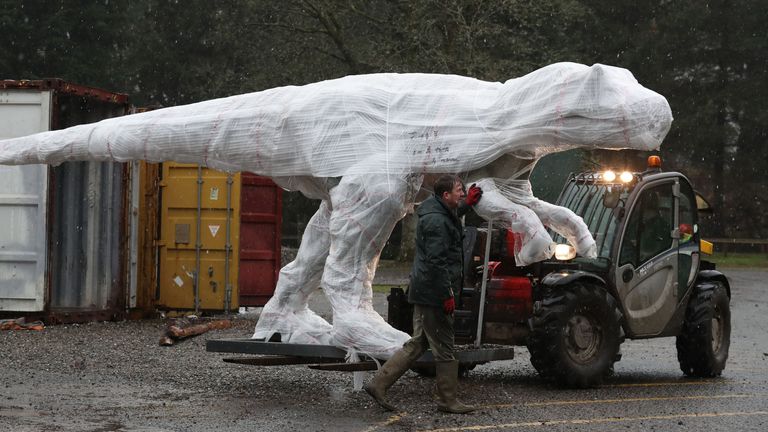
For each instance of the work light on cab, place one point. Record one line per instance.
(564, 252)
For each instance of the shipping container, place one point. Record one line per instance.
(65, 231)
(219, 241)
(94, 240)
(198, 228)
(261, 215)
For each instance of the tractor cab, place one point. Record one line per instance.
(645, 226)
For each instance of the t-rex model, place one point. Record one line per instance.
(366, 146)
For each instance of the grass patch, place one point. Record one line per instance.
(735, 259)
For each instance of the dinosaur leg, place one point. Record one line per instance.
(286, 313)
(365, 210)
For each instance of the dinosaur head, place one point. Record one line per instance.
(578, 106)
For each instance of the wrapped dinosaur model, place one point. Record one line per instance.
(369, 147)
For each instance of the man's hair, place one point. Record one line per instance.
(445, 183)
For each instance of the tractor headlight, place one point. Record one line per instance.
(626, 177)
(609, 176)
(565, 252)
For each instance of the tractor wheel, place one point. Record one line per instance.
(702, 346)
(575, 335)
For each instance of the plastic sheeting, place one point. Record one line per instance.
(384, 123)
(511, 204)
(365, 145)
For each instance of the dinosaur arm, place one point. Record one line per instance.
(532, 242)
(514, 206)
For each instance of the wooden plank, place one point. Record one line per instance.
(251, 346)
(272, 360)
(345, 367)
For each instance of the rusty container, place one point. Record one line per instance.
(66, 229)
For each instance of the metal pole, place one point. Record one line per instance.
(198, 243)
(481, 306)
(228, 248)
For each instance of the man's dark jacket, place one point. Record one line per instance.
(437, 268)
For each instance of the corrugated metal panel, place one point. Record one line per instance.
(260, 227)
(84, 233)
(199, 236)
(86, 237)
(23, 206)
(89, 217)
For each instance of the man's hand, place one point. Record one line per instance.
(473, 195)
(449, 305)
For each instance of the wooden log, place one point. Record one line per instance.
(179, 332)
(20, 324)
(181, 329)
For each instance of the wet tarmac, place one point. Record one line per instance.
(114, 377)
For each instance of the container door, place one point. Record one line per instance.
(23, 206)
(260, 225)
(198, 238)
(148, 236)
(87, 239)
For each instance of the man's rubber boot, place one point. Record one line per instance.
(393, 369)
(447, 378)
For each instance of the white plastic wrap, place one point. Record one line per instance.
(533, 216)
(391, 124)
(340, 251)
(364, 145)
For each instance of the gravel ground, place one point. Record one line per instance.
(113, 376)
(107, 376)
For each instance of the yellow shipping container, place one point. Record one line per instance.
(199, 235)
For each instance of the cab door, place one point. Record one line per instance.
(688, 239)
(646, 272)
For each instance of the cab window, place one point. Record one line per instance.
(687, 213)
(649, 227)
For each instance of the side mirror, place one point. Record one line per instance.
(611, 199)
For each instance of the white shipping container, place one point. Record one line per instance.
(23, 205)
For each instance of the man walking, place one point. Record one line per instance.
(436, 277)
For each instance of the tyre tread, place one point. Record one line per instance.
(549, 317)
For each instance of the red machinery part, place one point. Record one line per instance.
(509, 297)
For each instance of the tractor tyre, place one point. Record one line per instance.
(575, 335)
(703, 342)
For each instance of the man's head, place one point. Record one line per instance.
(449, 189)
